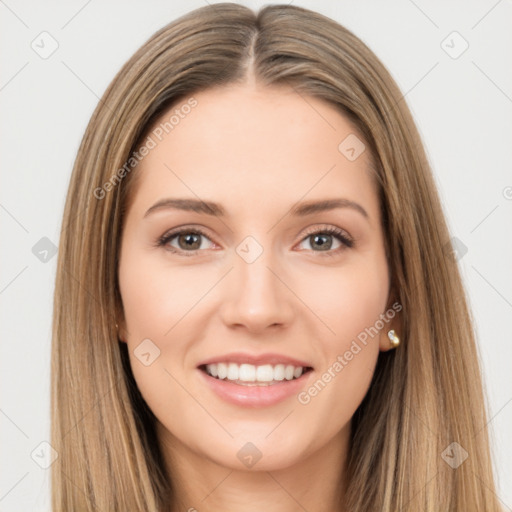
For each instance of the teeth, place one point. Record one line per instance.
(222, 371)
(251, 373)
(232, 372)
(246, 372)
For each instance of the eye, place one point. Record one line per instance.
(322, 239)
(188, 241)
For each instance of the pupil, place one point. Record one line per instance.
(323, 245)
(189, 240)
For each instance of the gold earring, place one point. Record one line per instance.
(393, 338)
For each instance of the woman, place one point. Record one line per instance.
(256, 304)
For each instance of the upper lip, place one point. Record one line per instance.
(256, 360)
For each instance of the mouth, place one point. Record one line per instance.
(254, 375)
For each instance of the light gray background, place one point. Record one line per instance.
(462, 107)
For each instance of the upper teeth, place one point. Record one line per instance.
(251, 373)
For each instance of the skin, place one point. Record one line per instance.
(256, 151)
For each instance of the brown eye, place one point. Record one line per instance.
(190, 241)
(184, 241)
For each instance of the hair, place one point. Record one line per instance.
(424, 396)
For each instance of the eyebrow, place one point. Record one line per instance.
(210, 208)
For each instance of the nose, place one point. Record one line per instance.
(257, 296)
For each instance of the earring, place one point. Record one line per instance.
(393, 338)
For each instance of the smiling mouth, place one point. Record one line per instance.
(252, 375)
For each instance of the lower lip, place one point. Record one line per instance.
(255, 396)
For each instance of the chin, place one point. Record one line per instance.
(257, 455)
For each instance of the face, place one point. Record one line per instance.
(261, 284)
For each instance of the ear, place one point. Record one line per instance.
(121, 330)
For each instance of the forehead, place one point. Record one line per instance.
(265, 145)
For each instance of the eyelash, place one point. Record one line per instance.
(346, 241)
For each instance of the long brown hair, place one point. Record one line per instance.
(424, 396)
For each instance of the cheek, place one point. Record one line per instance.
(350, 304)
(156, 297)
(348, 301)
(159, 302)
